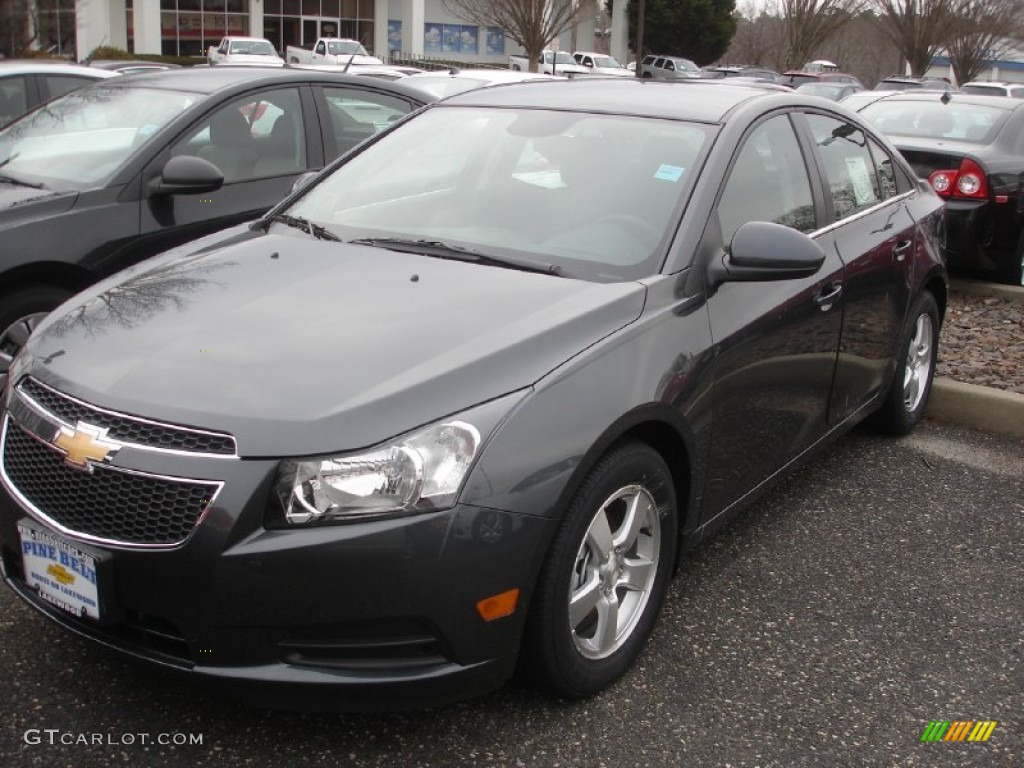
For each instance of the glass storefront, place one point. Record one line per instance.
(190, 27)
(56, 26)
(301, 22)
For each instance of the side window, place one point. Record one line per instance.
(357, 114)
(58, 85)
(768, 182)
(321, 47)
(13, 98)
(849, 166)
(255, 136)
(670, 66)
(884, 169)
(1017, 93)
(223, 46)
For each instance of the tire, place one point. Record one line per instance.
(1012, 271)
(20, 312)
(907, 399)
(574, 653)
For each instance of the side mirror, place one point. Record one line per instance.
(762, 251)
(187, 175)
(302, 181)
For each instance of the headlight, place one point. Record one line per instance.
(419, 472)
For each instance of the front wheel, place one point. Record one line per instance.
(905, 404)
(605, 577)
(20, 312)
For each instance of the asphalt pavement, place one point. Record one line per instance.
(874, 591)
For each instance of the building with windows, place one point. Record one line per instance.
(190, 27)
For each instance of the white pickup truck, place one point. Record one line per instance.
(331, 50)
(244, 50)
(562, 64)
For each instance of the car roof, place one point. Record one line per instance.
(45, 66)
(645, 98)
(956, 97)
(208, 80)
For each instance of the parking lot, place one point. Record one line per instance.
(876, 590)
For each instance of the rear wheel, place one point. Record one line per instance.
(905, 404)
(1012, 271)
(605, 577)
(20, 312)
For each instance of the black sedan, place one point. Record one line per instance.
(445, 411)
(970, 148)
(122, 170)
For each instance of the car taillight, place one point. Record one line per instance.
(971, 180)
(942, 181)
(967, 181)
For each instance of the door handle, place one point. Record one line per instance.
(828, 295)
(901, 249)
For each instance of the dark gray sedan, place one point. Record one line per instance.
(122, 170)
(446, 411)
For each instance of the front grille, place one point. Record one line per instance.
(128, 429)
(110, 504)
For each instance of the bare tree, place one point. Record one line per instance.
(758, 38)
(918, 28)
(533, 24)
(809, 24)
(979, 34)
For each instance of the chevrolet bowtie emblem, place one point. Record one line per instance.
(85, 445)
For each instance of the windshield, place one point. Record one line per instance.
(606, 61)
(81, 139)
(526, 184)
(685, 65)
(253, 48)
(933, 119)
(346, 47)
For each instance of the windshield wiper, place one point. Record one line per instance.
(21, 182)
(307, 226)
(442, 250)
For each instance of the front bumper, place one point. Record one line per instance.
(371, 615)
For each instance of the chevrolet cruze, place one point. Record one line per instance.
(445, 413)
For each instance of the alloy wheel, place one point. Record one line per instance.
(614, 572)
(917, 372)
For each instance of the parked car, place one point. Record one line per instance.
(601, 64)
(444, 83)
(332, 50)
(994, 88)
(833, 91)
(119, 171)
(550, 62)
(969, 148)
(25, 84)
(908, 83)
(445, 410)
(722, 72)
(131, 66)
(244, 50)
(794, 79)
(668, 68)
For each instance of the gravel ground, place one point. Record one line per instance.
(983, 342)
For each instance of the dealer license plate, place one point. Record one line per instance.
(59, 572)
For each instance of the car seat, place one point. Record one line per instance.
(280, 154)
(231, 145)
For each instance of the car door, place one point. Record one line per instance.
(261, 142)
(874, 234)
(775, 342)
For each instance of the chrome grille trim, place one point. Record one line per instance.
(215, 487)
(103, 417)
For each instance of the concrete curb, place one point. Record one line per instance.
(981, 288)
(975, 407)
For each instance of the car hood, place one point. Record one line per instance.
(571, 69)
(299, 347)
(18, 203)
